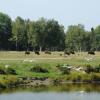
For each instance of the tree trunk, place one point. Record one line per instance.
(40, 48)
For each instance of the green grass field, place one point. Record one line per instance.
(23, 63)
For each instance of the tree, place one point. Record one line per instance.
(55, 35)
(19, 34)
(97, 35)
(31, 36)
(74, 37)
(5, 31)
(46, 34)
(93, 39)
(40, 33)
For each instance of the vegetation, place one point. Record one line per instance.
(46, 34)
(45, 37)
(24, 68)
(39, 69)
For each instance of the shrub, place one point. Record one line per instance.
(95, 77)
(97, 69)
(64, 69)
(89, 69)
(2, 70)
(39, 69)
(11, 71)
(58, 66)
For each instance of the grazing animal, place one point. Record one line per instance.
(66, 53)
(91, 52)
(72, 52)
(27, 52)
(37, 52)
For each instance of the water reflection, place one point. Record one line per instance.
(58, 92)
(57, 88)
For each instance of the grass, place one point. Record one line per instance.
(54, 58)
(22, 64)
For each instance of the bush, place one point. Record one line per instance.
(89, 69)
(58, 66)
(39, 69)
(95, 77)
(97, 69)
(2, 70)
(64, 69)
(11, 71)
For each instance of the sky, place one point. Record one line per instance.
(66, 12)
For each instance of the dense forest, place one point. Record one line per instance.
(45, 34)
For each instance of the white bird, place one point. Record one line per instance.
(82, 91)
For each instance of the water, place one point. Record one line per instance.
(59, 92)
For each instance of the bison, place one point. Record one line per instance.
(91, 52)
(27, 52)
(72, 52)
(66, 53)
(37, 52)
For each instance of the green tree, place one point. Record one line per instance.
(19, 34)
(74, 37)
(55, 35)
(93, 39)
(40, 33)
(31, 36)
(5, 31)
(97, 34)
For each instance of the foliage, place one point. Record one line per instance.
(89, 69)
(11, 71)
(74, 37)
(5, 31)
(39, 69)
(2, 70)
(64, 69)
(46, 34)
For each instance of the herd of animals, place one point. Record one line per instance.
(65, 52)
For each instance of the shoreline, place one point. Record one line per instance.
(44, 82)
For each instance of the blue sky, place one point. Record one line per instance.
(67, 12)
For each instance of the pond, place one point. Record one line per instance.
(58, 92)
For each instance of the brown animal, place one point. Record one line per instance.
(37, 52)
(27, 52)
(91, 52)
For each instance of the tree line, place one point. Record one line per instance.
(45, 34)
